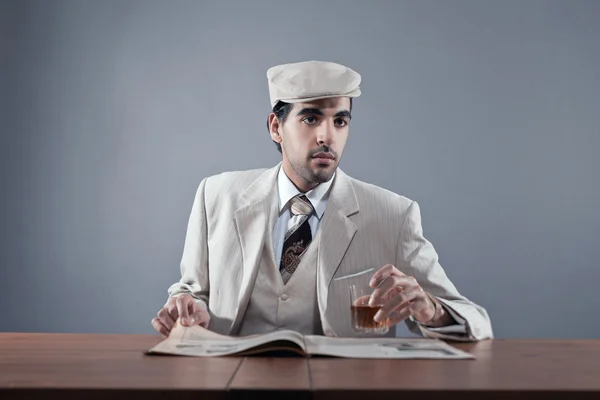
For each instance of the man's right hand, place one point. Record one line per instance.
(181, 306)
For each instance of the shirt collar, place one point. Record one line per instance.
(316, 196)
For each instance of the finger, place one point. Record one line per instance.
(201, 318)
(183, 303)
(362, 300)
(398, 316)
(165, 318)
(390, 287)
(421, 303)
(377, 297)
(381, 274)
(195, 307)
(172, 309)
(159, 327)
(423, 308)
(400, 301)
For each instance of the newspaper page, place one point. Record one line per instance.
(383, 348)
(200, 342)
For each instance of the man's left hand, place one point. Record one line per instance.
(401, 296)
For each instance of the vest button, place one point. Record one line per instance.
(284, 297)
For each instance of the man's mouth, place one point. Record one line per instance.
(322, 155)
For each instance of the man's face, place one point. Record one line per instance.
(312, 139)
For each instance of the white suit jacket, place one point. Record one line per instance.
(363, 227)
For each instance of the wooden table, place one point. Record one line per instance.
(113, 366)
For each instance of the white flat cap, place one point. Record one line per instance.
(311, 80)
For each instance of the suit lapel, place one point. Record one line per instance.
(251, 220)
(338, 232)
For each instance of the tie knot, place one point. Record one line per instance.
(301, 206)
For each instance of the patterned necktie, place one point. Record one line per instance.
(297, 237)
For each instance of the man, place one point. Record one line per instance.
(277, 248)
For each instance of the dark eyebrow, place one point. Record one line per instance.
(343, 113)
(316, 111)
(308, 111)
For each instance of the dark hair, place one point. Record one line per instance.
(281, 111)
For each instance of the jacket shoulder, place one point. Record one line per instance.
(231, 183)
(370, 193)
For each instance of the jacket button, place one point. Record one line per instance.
(284, 297)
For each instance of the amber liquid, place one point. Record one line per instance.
(362, 318)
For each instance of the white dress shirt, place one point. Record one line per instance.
(287, 190)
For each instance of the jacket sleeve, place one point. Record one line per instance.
(194, 262)
(416, 257)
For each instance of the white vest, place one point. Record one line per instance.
(275, 306)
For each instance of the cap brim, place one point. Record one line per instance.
(354, 93)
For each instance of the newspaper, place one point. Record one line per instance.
(196, 341)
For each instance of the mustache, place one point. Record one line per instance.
(323, 149)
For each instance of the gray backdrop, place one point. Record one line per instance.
(486, 112)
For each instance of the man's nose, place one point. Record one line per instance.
(326, 134)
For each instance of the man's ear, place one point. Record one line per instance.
(274, 128)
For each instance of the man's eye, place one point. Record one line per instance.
(310, 120)
(340, 122)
